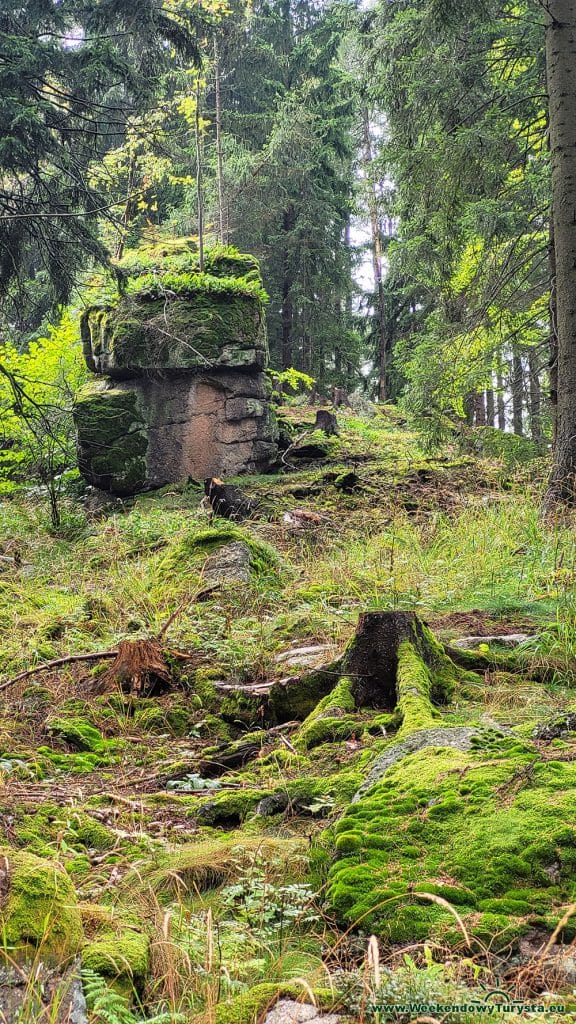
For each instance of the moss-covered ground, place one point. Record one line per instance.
(208, 853)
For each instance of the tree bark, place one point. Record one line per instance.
(288, 222)
(219, 154)
(560, 21)
(469, 408)
(372, 201)
(500, 404)
(517, 387)
(553, 342)
(490, 407)
(199, 196)
(479, 409)
(535, 395)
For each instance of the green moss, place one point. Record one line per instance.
(180, 255)
(112, 439)
(414, 689)
(301, 696)
(264, 559)
(177, 719)
(496, 827)
(249, 1007)
(41, 911)
(228, 809)
(119, 955)
(40, 832)
(330, 719)
(77, 734)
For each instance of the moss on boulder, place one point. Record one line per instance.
(178, 324)
(250, 1007)
(77, 734)
(122, 955)
(38, 908)
(492, 835)
(112, 440)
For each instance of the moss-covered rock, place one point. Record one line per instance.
(494, 836)
(123, 955)
(171, 316)
(229, 809)
(76, 733)
(112, 438)
(192, 325)
(250, 1007)
(40, 832)
(38, 908)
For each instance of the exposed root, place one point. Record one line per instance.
(139, 668)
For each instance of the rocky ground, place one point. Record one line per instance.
(209, 817)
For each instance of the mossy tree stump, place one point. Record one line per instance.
(393, 663)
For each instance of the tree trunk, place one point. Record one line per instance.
(560, 20)
(128, 208)
(372, 201)
(500, 404)
(327, 422)
(516, 386)
(288, 222)
(479, 409)
(219, 155)
(469, 407)
(534, 392)
(490, 407)
(199, 196)
(553, 343)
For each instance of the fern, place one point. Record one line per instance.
(107, 1006)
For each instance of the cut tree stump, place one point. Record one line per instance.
(372, 656)
(227, 500)
(327, 422)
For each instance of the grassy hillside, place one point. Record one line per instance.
(203, 835)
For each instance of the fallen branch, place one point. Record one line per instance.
(122, 652)
(56, 662)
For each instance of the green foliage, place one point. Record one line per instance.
(291, 380)
(37, 390)
(465, 148)
(61, 106)
(107, 1006)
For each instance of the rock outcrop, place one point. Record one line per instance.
(179, 389)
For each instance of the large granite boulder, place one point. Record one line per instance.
(178, 358)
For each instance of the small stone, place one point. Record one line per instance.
(230, 564)
(288, 1011)
(276, 803)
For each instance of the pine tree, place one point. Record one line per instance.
(71, 74)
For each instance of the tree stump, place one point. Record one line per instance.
(228, 501)
(372, 657)
(340, 397)
(327, 422)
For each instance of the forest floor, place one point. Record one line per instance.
(206, 824)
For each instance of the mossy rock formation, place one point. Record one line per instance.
(38, 909)
(180, 390)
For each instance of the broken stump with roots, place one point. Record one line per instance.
(394, 663)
